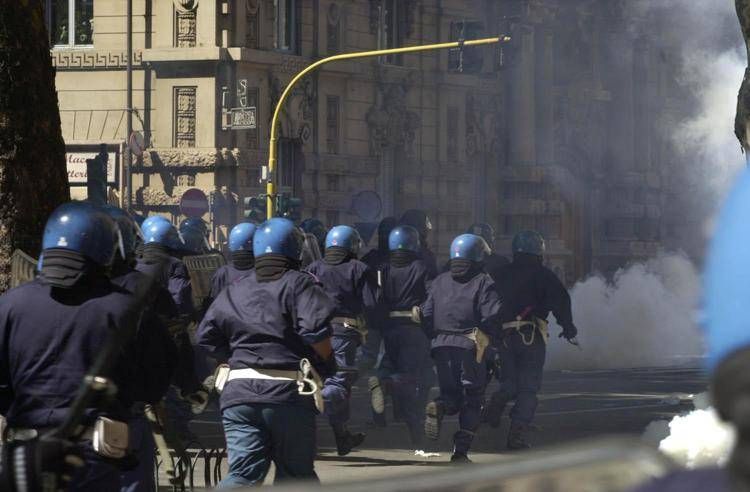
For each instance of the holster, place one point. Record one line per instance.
(310, 383)
(111, 438)
(481, 342)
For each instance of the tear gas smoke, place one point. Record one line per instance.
(645, 316)
(696, 439)
(711, 57)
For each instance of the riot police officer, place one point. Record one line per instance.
(406, 281)
(376, 259)
(194, 233)
(273, 327)
(51, 330)
(156, 353)
(461, 314)
(493, 262)
(162, 242)
(317, 229)
(529, 291)
(353, 287)
(241, 258)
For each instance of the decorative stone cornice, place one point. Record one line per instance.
(86, 59)
(193, 158)
(156, 197)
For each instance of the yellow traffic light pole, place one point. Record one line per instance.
(271, 184)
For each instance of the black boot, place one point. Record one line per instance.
(345, 440)
(460, 459)
(516, 440)
(493, 410)
(433, 419)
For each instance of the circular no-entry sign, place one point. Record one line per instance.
(194, 203)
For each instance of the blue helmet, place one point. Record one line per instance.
(129, 230)
(241, 237)
(194, 240)
(529, 242)
(159, 230)
(343, 236)
(84, 228)
(469, 247)
(278, 236)
(727, 277)
(404, 238)
(193, 223)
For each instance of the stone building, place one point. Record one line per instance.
(556, 132)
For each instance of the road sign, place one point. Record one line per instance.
(243, 118)
(367, 205)
(194, 203)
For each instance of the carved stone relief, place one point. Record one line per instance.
(185, 23)
(252, 25)
(184, 124)
(296, 118)
(389, 121)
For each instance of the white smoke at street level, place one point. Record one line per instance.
(644, 317)
(696, 439)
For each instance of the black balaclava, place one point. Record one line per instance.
(463, 270)
(242, 259)
(155, 253)
(402, 258)
(66, 269)
(336, 255)
(527, 259)
(273, 266)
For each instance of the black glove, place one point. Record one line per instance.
(327, 367)
(569, 332)
(50, 461)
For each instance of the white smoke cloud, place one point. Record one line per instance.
(706, 38)
(696, 439)
(645, 316)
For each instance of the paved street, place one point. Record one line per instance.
(574, 405)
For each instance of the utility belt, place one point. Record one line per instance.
(534, 325)
(307, 378)
(414, 314)
(109, 438)
(353, 324)
(480, 339)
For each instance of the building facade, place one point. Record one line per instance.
(556, 132)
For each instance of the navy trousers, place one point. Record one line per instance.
(258, 434)
(338, 388)
(521, 368)
(462, 384)
(141, 478)
(408, 350)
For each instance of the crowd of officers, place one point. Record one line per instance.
(280, 339)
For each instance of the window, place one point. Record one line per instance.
(390, 33)
(333, 182)
(332, 124)
(287, 161)
(62, 14)
(471, 58)
(287, 25)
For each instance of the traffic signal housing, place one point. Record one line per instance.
(254, 208)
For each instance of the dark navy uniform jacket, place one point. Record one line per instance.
(269, 325)
(430, 261)
(527, 285)
(156, 352)
(174, 276)
(49, 338)
(494, 264)
(454, 308)
(225, 275)
(405, 287)
(351, 285)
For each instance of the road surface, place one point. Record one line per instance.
(573, 405)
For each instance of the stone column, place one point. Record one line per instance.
(545, 99)
(522, 99)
